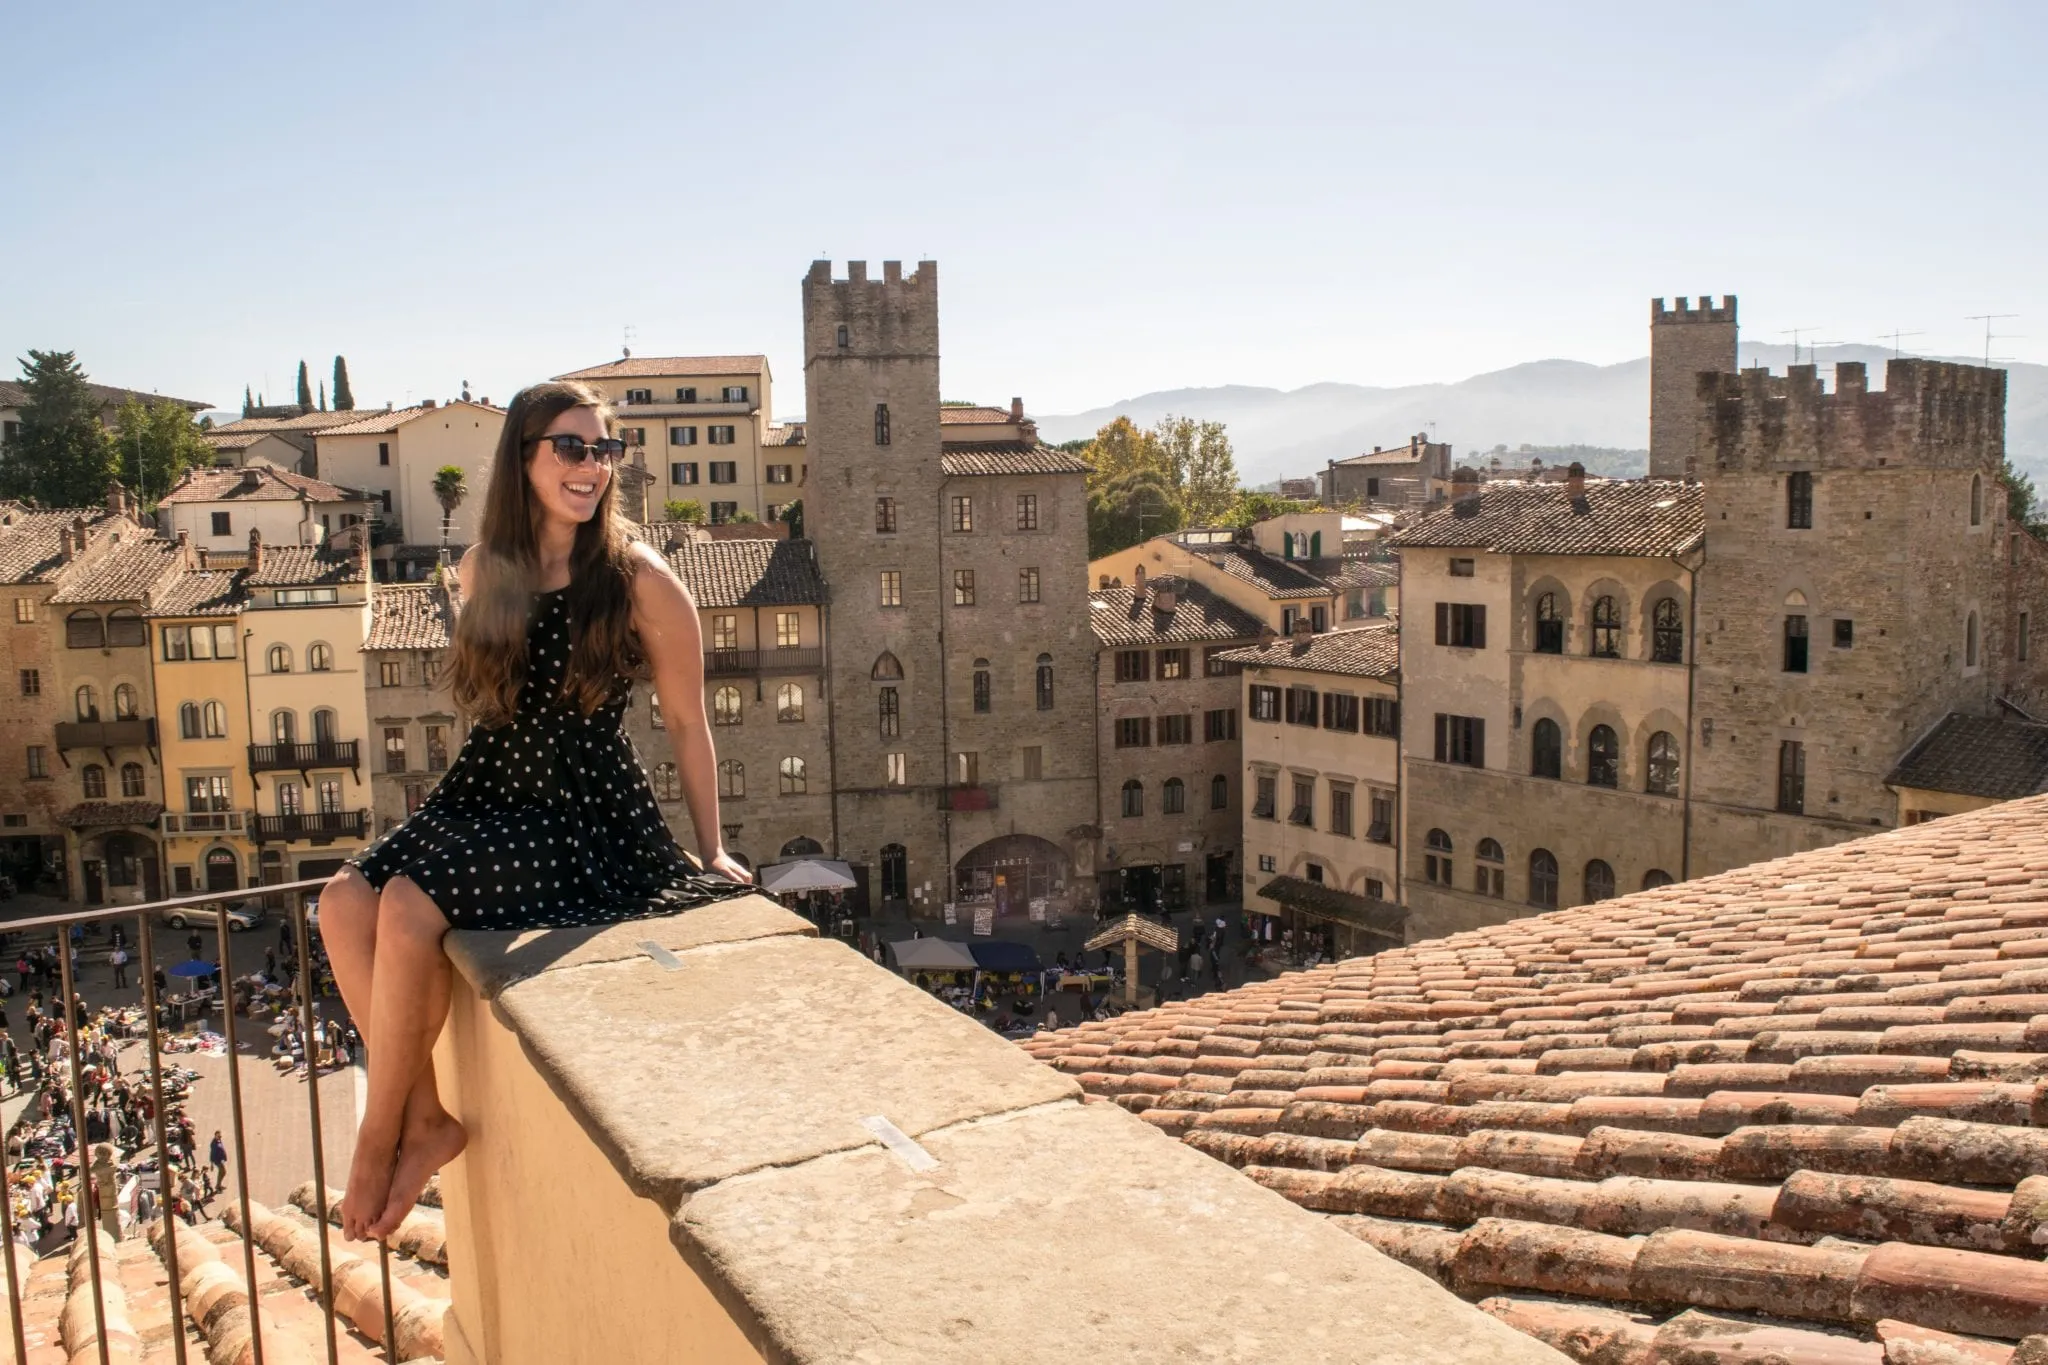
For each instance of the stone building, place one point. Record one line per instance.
(1684, 342)
(761, 604)
(219, 509)
(292, 426)
(1411, 475)
(1269, 586)
(951, 541)
(413, 721)
(1169, 759)
(1322, 726)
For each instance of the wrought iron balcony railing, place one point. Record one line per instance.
(320, 824)
(322, 753)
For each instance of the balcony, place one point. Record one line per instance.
(324, 753)
(323, 824)
(731, 663)
(203, 822)
(107, 734)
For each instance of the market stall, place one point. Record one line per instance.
(1134, 932)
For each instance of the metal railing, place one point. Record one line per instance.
(202, 822)
(318, 824)
(139, 733)
(94, 1201)
(326, 753)
(727, 663)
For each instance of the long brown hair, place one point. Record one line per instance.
(501, 572)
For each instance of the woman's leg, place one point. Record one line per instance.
(404, 1136)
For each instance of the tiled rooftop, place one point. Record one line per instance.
(254, 483)
(305, 421)
(1130, 616)
(748, 573)
(976, 415)
(306, 566)
(374, 423)
(1373, 652)
(124, 573)
(29, 551)
(231, 440)
(1275, 577)
(784, 434)
(14, 394)
(1798, 1111)
(964, 458)
(202, 592)
(1611, 517)
(660, 366)
(409, 616)
(1977, 756)
(1365, 573)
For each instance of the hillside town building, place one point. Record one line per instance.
(701, 427)
(1405, 476)
(412, 719)
(220, 508)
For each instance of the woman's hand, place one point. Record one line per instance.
(724, 865)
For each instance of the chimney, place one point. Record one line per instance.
(1302, 630)
(252, 476)
(1138, 579)
(359, 547)
(117, 497)
(65, 551)
(1016, 409)
(1166, 596)
(202, 556)
(427, 403)
(255, 550)
(1575, 481)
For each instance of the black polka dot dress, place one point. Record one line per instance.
(547, 822)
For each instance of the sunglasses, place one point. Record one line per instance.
(571, 451)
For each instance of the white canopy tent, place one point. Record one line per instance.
(931, 955)
(807, 874)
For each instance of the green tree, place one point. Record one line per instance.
(62, 455)
(344, 396)
(744, 518)
(305, 389)
(154, 444)
(793, 517)
(1121, 448)
(248, 403)
(1133, 507)
(1203, 470)
(451, 486)
(2022, 504)
(323, 395)
(1256, 505)
(684, 509)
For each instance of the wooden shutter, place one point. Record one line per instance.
(1479, 627)
(1443, 623)
(1443, 728)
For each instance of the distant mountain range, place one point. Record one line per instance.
(1544, 403)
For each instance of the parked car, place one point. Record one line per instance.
(242, 915)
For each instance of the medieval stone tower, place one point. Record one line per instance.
(1684, 341)
(871, 394)
(1853, 592)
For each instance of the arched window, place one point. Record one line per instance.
(1662, 779)
(789, 702)
(1603, 758)
(1667, 633)
(1489, 872)
(216, 719)
(1970, 641)
(1599, 881)
(85, 630)
(1546, 750)
(320, 658)
(1655, 878)
(133, 783)
(732, 779)
(791, 772)
(124, 627)
(1045, 682)
(888, 668)
(94, 778)
(1549, 625)
(279, 658)
(1436, 859)
(124, 701)
(1134, 798)
(1606, 629)
(1976, 500)
(725, 706)
(188, 720)
(1219, 792)
(88, 700)
(1173, 797)
(667, 786)
(1543, 879)
(284, 727)
(981, 688)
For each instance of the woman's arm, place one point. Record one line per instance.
(666, 619)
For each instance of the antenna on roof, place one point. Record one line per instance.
(1894, 337)
(1987, 319)
(1794, 333)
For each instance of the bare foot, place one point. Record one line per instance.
(424, 1149)
(369, 1186)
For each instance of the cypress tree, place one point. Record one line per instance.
(323, 395)
(248, 403)
(344, 397)
(305, 389)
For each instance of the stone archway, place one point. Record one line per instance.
(1010, 872)
(803, 846)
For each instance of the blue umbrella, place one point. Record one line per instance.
(195, 968)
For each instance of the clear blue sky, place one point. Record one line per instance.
(1122, 197)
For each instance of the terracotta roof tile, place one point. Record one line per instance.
(1128, 616)
(748, 573)
(302, 566)
(1275, 577)
(1373, 652)
(125, 573)
(662, 366)
(1673, 1109)
(254, 483)
(29, 542)
(409, 616)
(202, 592)
(391, 419)
(955, 415)
(960, 459)
(305, 421)
(1637, 517)
(1977, 756)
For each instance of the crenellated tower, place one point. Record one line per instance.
(1684, 342)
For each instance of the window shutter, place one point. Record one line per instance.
(1479, 627)
(1443, 725)
(1443, 623)
(1393, 717)
(1479, 742)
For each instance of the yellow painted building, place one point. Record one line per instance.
(203, 703)
(393, 456)
(699, 425)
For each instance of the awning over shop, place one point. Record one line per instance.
(931, 955)
(1383, 918)
(1000, 955)
(807, 874)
